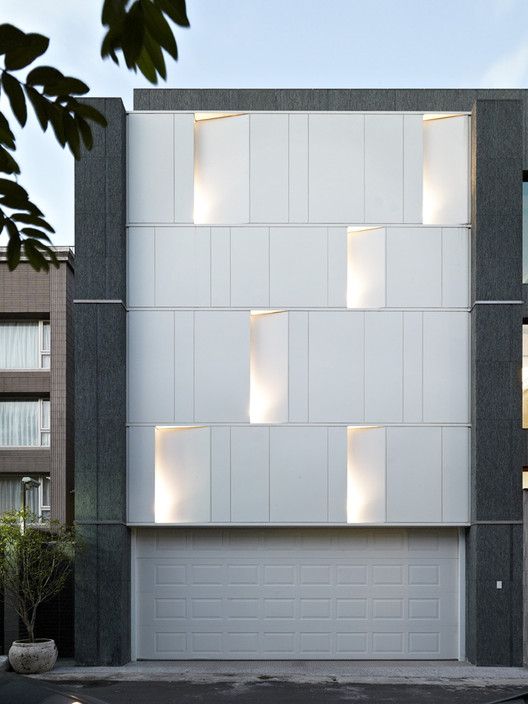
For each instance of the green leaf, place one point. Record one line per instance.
(156, 55)
(147, 67)
(12, 188)
(13, 246)
(72, 136)
(14, 92)
(66, 86)
(159, 28)
(176, 10)
(6, 136)
(10, 37)
(57, 114)
(33, 46)
(32, 220)
(85, 131)
(90, 113)
(43, 75)
(133, 35)
(33, 232)
(40, 106)
(35, 258)
(7, 164)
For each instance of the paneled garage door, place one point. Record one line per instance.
(286, 593)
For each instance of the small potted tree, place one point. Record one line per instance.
(35, 562)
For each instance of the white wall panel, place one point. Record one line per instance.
(446, 170)
(383, 367)
(220, 266)
(269, 368)
(220, 474)
(250, 475)
(150, 168)
(366, 268)
(336, 168)
(336, 367)
(298, 168)
(182, 266)
(412, 367)
(268, 168)
(249, 266)
(140, 474)
(412, 168)
(446, 367)
(183, 168)
(455, 474)
(414, 267)
(414, 475)
(140, 266)
(183, 475)
(221, 185)
(298, 266)
(298, 475)
(183, 365)
(298, 366)
(455, 267)
(383, 168)
(337, 475)
(337, 267)
(366, 475)
(150, 366)
(221, 366)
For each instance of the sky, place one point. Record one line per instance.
(274, 44)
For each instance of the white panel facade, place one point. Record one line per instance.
(298, 266)
(414, 267)
(297, 594)
(298, 366)
(140, 475)
(383, 168)
(268, 174)
(250, 269)
(140, 266)
(298, 168)
(298, 475)
(383, 367)
(336, 367)
(220, 474)
(250, 480)
(336, 175)
(150, 168)
(182, 266)
(412, 168)
(221, 367)
(366, 268)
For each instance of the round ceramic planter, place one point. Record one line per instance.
(33, 658)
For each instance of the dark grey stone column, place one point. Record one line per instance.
(494, 539)
(102, 574)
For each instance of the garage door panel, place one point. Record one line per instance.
(261, 593)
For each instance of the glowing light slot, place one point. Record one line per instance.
(268, 396)
(201, 116)
(365, 474)
(182, 474)
(365, 267)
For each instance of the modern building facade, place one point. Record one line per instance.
(298, 376)
(36, 408)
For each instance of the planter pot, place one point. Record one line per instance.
(33, 658)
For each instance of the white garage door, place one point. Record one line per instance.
(303, 593)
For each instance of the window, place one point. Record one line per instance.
(25, 345)
(525, 377)
(25, 423)
(37, 498)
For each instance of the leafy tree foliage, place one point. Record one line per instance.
(140, 31)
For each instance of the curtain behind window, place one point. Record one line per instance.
(19, 345)
(11, 495)
(19, 423)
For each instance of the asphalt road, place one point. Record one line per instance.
(276, 692)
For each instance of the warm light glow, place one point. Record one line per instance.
(201, 116)
(365, 267)
(359, 494)
(202, 206)
(525, 479)
(268, 390)
(165, 491)
(441, 115)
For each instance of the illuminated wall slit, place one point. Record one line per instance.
(365, 474)
(366, 267)
(268, 367)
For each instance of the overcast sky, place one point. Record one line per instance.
(276, 43)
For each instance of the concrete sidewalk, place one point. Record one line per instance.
(297, 671)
